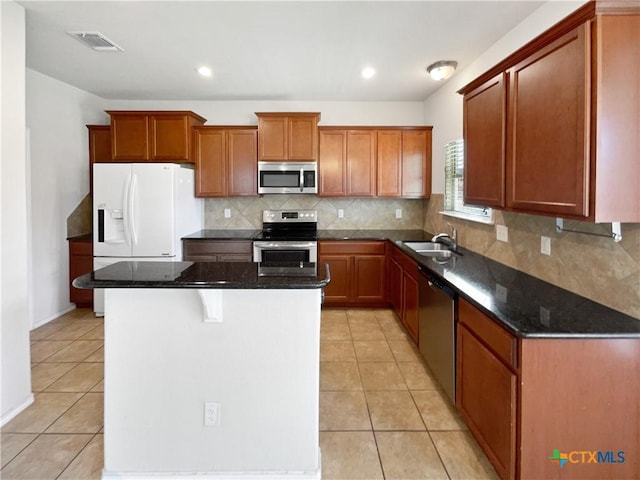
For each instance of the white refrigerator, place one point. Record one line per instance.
(140, 213)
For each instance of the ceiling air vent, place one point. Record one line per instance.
(97, 41)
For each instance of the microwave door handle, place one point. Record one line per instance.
(302, 179)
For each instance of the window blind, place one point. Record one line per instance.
(454, 184)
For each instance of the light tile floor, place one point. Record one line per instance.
(382, 416)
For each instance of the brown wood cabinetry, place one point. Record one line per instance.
(153, 136)
(80, 262)
(375, 161)
(485, 116)
(288, 136)
(226, 161)
(215, 250)
(347, 162)
(403, 290)
(571, 124)
(522, 398)
(357, 272)
(404, 162)
(486, 386)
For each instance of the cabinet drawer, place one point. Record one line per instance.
(214, 247)
(349, 247)
(501, 342)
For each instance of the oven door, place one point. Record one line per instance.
(285, 251)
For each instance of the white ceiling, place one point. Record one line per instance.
(263, 50)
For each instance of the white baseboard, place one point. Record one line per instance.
(11, 414)
(53, 317)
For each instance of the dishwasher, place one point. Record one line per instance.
(437, 329)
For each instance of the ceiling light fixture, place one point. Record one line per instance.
(442, 70)
(204, 71)
(368, 72)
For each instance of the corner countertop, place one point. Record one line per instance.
(227, 275)
(222, 235)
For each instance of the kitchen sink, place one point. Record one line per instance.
(429, 249)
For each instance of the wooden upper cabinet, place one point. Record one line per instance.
(548, 160)
(416, 163)
(288, 136)
(332, 163)
(485, 116)
(389, 163)
(347, 163)
(573, 113)
(148, 136)
(226, 162)
(361, 163)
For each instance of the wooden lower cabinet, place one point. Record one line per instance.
(403, 290)
(357, 271)
(80, 262)
(214, 250)
(525, 398)
(486, 399)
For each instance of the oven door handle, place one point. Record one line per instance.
(283, 246)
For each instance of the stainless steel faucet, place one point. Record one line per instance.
(445, 238)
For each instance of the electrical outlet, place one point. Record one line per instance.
(502, 233)
(340, 213)
(227, 213)
(211, 414)
(545, 245)
(398, 213)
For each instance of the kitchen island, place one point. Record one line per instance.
(211, 369)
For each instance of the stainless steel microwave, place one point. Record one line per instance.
(287, 177)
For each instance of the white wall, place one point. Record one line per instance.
(443, 109)
(332, 113)
(56, 117)
(14, 305)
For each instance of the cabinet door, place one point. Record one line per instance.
(130, 137)
(338, 290)
(486, 398)
(332, 163)
(369, 278)
(303, 137)
(416, 163)
(361, 163)
(395, 286)
(242, 161)
(389, 164)
(169, 137)
(80, 262)
(211, 166)
(99, 147)
(410, 304)
(548, 156)
(485, 110)
(272, 138)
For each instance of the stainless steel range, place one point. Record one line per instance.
(287, 236)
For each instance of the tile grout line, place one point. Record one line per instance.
(77, 455)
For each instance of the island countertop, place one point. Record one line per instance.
(227, 275)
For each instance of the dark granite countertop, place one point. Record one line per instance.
(393, 235)
(222, 235)
(230, 275)
(525, 305)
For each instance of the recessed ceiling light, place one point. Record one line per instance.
(368, 72)
(204, 71)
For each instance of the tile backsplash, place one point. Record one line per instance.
(359, 213)
(595, 267)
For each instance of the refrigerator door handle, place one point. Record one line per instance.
(126, 213)
(132, 200)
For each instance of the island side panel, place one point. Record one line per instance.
(580, 395)
(261, 364)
